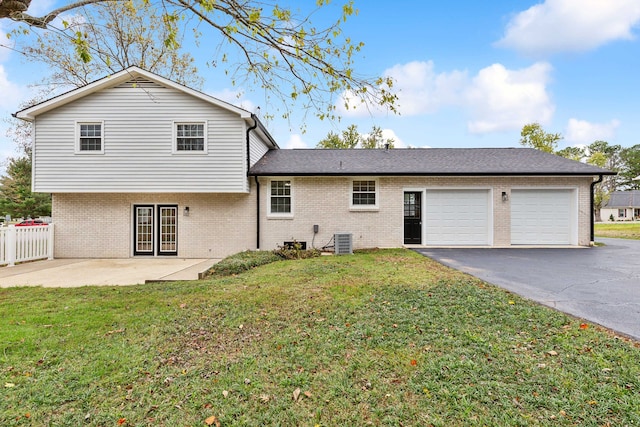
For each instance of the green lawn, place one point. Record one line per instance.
(378, 338)
(622, 230)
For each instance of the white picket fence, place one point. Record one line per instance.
(20, 244)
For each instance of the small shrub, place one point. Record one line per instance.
(243, 261)
(611, 218)
(295, 251)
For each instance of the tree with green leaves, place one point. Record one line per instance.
(630, 171)
(606, 156)
(532, 135)
(16, 198)
(278, 49)
(351, 138)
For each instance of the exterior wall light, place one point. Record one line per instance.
(505, 197)
(185, 211)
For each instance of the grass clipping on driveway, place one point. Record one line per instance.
(378, 338)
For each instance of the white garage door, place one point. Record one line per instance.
(456, 217)
(541, 217)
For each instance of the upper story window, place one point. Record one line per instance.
(280, 198)
(90, 137)
(190, 137)
(364, 194)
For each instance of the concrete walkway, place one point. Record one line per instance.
(600, 284)
(67, 273)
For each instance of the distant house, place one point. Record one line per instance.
(622, 206)
(139, 165)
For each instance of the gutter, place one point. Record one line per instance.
(249, 129)
(593, 185)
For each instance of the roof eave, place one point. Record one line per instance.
(448, 174)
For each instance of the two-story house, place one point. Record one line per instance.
(139, 165)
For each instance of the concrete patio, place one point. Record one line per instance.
(67, 273)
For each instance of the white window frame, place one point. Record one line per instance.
(78, 125)
(373, 207)
(622, 213)
(174, 142)
(280, 215)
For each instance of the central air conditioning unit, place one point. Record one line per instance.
(342, 242)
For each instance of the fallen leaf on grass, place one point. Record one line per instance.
(265, 398)
(212, 421)
(552, 353)
(296, 394)
(9, 385)
(307, 393)
(414, 362)
(122, 421)
(584, 326)
(116, 331)
(225, 393)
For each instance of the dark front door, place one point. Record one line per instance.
(412, 218)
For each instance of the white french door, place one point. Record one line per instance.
(155, 230)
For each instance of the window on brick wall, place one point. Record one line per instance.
(280, 198)
(364, 194)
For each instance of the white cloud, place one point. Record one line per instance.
(570, 25)
(584, 132)
(295, 141)
(235, 98)
(495, 99)
(397, 142)
(500, 99)
(419, 89)
(11, 92)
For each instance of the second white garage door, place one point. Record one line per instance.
(542, 217)
(457, 217)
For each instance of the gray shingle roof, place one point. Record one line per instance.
(624, 199)
(419, 161)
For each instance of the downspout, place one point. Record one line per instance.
(593, 211)
(249, 129)
(257, 213)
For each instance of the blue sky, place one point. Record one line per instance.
(469, 73)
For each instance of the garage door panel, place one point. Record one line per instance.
(541, 217)
(457, 217)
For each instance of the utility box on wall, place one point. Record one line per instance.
(343, 243)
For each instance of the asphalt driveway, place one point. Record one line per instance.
(600, 284)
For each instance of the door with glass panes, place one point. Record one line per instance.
(155, 230)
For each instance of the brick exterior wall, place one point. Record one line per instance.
(325, 201)
(101, 225)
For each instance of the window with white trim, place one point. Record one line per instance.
(280, 198)
(190, 137)
(90, 137)
(622, 213)
(364, 193)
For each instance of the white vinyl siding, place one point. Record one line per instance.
(139, 145)
(542, 217)
(457, 217)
